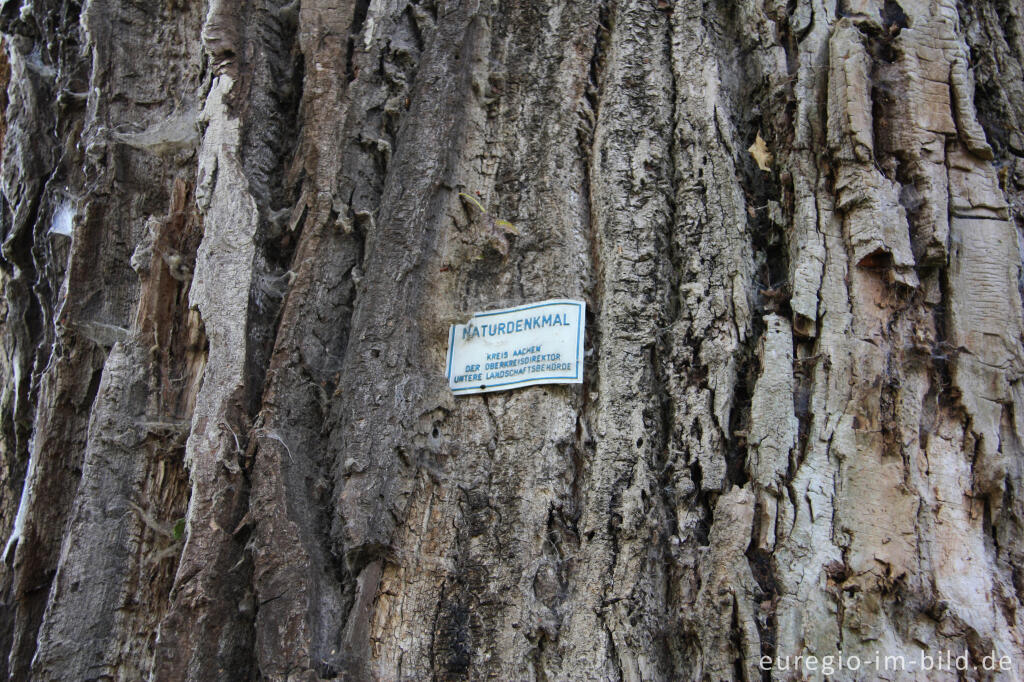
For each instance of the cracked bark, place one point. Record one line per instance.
(232, 244)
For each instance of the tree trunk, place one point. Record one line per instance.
(233, 244)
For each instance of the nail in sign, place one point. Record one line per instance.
(498, 350)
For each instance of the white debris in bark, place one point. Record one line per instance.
(63, 220)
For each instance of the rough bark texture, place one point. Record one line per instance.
(233, 242)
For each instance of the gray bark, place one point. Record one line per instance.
(232, 246)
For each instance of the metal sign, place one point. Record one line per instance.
(498, 350)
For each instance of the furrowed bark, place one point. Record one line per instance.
(235, 234)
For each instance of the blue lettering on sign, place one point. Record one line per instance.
(482, 330)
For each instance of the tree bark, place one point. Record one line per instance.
(233, 244)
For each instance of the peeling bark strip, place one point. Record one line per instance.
(233, 236)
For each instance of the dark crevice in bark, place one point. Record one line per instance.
(269, 132)
(670, 447)
(739, 420)
(594, 293)
(435, 628)
(24, 319)
(757, 107)
(736, 640)
(455, 638)
(994, 39)
(358, 18)
(669, 469)
(763, 569)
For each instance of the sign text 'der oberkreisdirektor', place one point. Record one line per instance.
(498, 350)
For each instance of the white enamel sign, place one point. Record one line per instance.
(538, 343)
